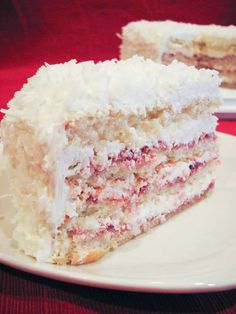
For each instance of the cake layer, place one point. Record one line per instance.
(227, 64)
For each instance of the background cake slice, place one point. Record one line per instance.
(204, 46)
(99, 153)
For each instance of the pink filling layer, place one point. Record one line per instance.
(146, 154)
(194, 167)
(123, 228)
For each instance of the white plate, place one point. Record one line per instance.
(228, 108)
(195, 251)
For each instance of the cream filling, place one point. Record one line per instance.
(166, 203)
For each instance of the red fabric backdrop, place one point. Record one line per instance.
(55, 31)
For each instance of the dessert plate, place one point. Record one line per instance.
(194, 251)
(228, 107)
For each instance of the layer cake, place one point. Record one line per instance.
(100, 153)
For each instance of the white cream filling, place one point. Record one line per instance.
(166, 203)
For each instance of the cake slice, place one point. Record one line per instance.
(100, 153)
(204, 46)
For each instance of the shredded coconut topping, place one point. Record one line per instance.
(63, 92)
(151, 30)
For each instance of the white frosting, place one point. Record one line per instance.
(63, 92)
(151, 31)
(168, 202)
(170, 36)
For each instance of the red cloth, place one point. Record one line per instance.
(34, 32)
(227, 126)
(55, 31)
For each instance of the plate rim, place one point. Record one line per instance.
(120, 285)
